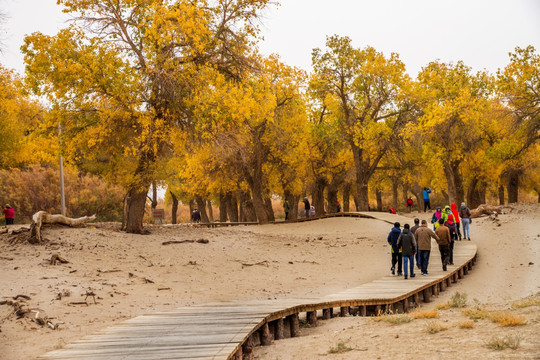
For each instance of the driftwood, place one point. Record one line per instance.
(43, 217)
(485, 210)
(200, 241)
(57, 258)
(21, 310)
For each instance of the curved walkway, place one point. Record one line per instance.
(230, 330)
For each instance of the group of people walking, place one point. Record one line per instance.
(414, 243)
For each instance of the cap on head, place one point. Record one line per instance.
(396, 224)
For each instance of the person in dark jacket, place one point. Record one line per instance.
(396, 253)
(465, 214)
(407, 244)
(307, 206)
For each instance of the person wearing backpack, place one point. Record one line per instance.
(406, 243)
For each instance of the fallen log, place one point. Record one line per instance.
(485, 210)
(200, 241)
(43, 217)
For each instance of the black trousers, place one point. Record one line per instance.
(445, 253)
(397, 258)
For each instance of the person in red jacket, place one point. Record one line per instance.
(410, 204)
(9, 214)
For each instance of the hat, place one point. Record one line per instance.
(8, 206)
(463, 205)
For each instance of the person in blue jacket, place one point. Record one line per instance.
(425, 194)
(396, 252)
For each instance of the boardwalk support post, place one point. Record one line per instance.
(427, 295)
(460, 273)
(363, 310)
(312, 318)
(266, 337)
(279, 329)
(326, 314)
(294, 325)
(405, 305)
(344, 311)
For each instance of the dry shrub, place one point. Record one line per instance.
(466, 324)
(507, 318)
(444, 306)
(38, 188)
(458, 300)
(434, 327)
(526, 302)
(340, 348)
(424, 314)
(500, 343)
(393, 319)
(476, 313)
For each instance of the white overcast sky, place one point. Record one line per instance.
(479, 32)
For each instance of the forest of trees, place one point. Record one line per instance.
(176, 93)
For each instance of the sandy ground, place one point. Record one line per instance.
(132, 275)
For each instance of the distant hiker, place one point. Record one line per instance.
(286, 209)
(396, 253)
(413, 230)
(338, 207)
(410, 204)
(435, 218)
(425, 195)
(196, 216)
(307, 207)
(455, 212)
(465, 214)
(392, 210)
(407, 244)
(443, 234)
(9, 214)
(423, 237)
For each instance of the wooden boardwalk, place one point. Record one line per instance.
(230, 330)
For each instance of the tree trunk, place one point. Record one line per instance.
(247, 209)
(513, 186)
(395, 185)
(191, 207)
(455, 182)
(405, 194)
(476, 194)
(501, 194)
(232, 206)
(154, 194)
(210, 210)
(258, 201)
(346, 197)
(332, 191)
(378, 195)
(317, 198)
(269, 209)
(222, 207)
(201, 205)
(134, 204)
(174, 207)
